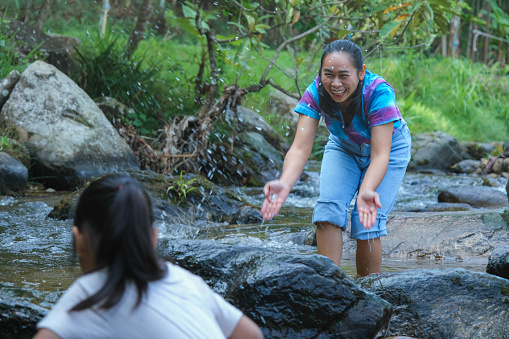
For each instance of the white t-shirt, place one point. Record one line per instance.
(181, 305)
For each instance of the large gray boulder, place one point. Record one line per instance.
(13, 175)
(288, 296)
(465, 235)
(475, 196)
(436, 150)
(281, 111)
(71, 139)
(250, 121)
(262, 161)
(449, 303)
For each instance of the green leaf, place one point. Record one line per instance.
(442, 22)
(388, 28)
(225, 37)
(188, 12)
(431, 12)
(343, 32)
(190, 27)
(415, 7)
(250, 22)
(289, 16)
(261, 28)
(242, 28)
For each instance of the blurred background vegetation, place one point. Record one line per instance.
(446, 59)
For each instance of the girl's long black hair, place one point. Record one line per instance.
(116, 214)
(327, 105)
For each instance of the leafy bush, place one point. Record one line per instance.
(105, 69)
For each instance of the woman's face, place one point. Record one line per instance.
(339, 76)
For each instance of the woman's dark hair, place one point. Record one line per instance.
(116, 214)
(327, 105)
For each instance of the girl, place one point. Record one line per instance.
(367, 153)
(126, 292)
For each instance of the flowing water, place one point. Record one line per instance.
(36, 252)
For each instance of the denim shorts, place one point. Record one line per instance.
(343, 167)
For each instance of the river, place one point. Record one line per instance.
(36, 251)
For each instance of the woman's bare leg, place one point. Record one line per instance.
(329, 240)
(369, 257)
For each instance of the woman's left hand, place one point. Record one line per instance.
(368, 202)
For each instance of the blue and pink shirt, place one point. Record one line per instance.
(378, 108)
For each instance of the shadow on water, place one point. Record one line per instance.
(35, 251)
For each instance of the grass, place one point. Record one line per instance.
(467, 100)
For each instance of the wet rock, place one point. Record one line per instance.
(498, 262)
(281, 108)
(449, 303)
(447, 206)
(262, 160)
(436, 150)
(114, 110)
(466, 166)
(498, 166)
(288, 296)
(54, 49)
(450, 235)
(475, 196)
(13, 175)
(71, 139)
(250, 121)
(18, 318)
(432, 171)
(6, 86)
(204, 202)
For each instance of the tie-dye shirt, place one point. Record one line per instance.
(380, 109)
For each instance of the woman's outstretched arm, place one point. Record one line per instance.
(277, 191)
(368, 200)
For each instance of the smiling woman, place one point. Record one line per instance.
(367, 154)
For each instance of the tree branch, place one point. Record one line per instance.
(283, 45)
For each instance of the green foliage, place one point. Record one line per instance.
(105, 69)
(9, 60)
(3, 142)
(464, 99)
(180, 189)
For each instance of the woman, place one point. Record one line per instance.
(367, 153)
(126, 292)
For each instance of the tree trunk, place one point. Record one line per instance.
(160, 18)
(474, 37)
(29, 11)
(453, 37)
(487, 39)
(144, 16)
(44, 13)
(469, 40)
(444, 46)
(104, 16)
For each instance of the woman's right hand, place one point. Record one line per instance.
(276, 193)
